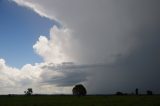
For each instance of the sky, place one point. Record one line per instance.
(107, 45)
(20, 28)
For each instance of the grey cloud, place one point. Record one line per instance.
(139, 69)
(71, 74)
(70, 79)
(103, 28)
(25, 81)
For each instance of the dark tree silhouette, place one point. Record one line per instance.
(29, 91)
(149, 92)
(119, 93)
(136, 91)
(79, 90)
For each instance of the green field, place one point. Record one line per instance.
(79, 101)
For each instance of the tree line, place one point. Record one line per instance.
(148, 92)
(80, 90)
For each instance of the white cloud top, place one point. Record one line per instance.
(54, 49)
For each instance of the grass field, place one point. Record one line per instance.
(79, 101)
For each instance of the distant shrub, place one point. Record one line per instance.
(29, 91)
(119, 93)
(149, 92)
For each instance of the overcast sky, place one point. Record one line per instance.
(107, 45)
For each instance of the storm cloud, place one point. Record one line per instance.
(121, 37)
(68, 74)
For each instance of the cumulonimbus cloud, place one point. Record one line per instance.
(123, 35)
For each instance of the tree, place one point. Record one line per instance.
(29, 91)
(79, 90)
(149, 92)
(136, 91)
(119, 93)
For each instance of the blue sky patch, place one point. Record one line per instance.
(20, 28)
